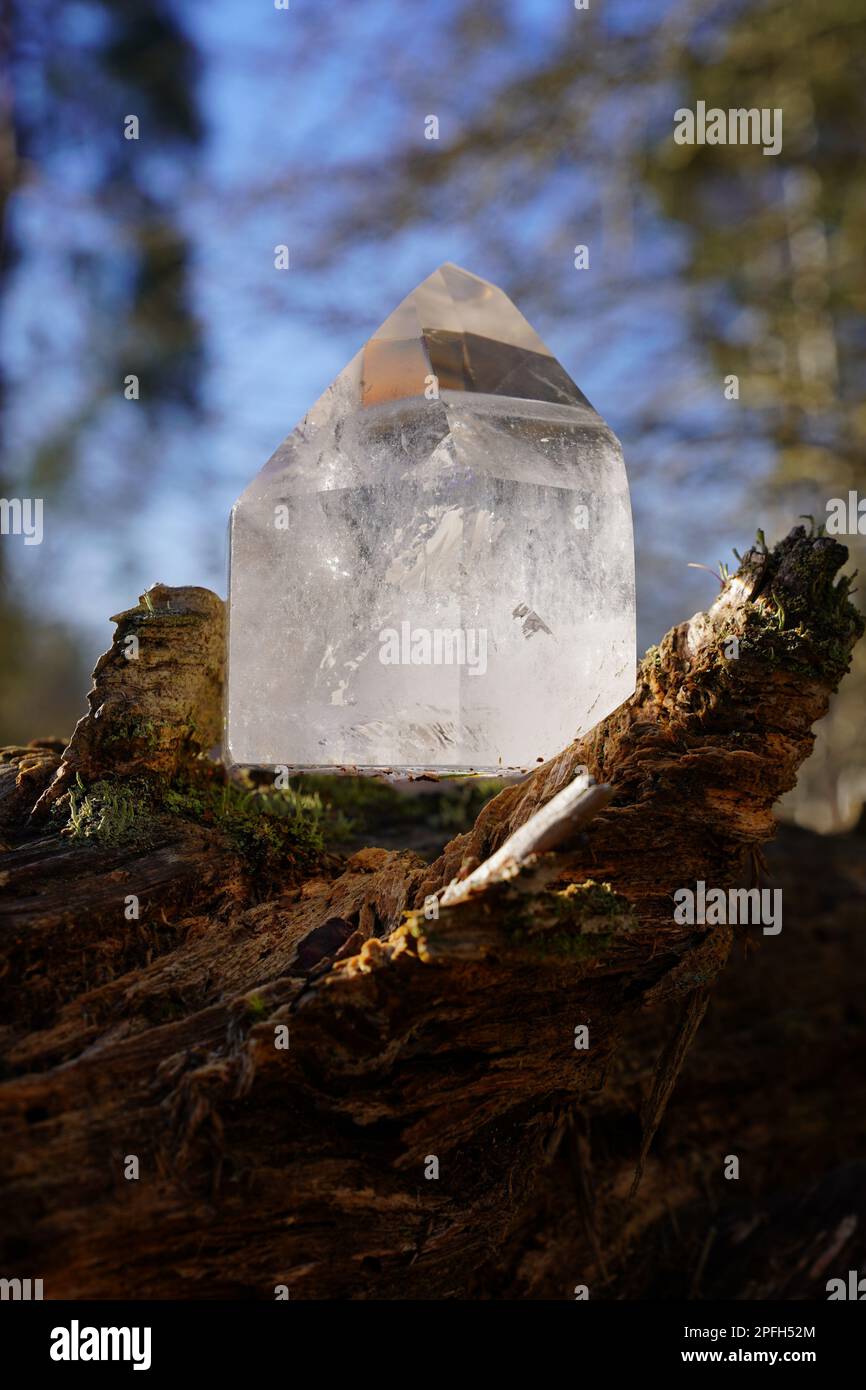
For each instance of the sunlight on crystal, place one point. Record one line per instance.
(435, 570)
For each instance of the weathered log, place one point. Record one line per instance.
(157, 692)
(421, 1037)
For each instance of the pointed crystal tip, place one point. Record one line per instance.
(466, 333)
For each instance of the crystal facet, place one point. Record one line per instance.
(435, 570)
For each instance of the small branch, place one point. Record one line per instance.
(550, 827)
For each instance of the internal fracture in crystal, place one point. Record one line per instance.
(435, 570)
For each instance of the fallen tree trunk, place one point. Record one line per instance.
(342, 1077)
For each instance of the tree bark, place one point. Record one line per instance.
(434, 1103)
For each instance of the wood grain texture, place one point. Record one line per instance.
(411, 1036)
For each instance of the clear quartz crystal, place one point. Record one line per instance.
(435, 570)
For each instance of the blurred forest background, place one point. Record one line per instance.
(305, 126)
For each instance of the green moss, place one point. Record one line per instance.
(591, 899)
(351, 802)
(145, 611)
(821, 648)
(111, 813)
(569, 945)
(805, 621)
(269, 828)
(581, 922)
(132, 729)
(368, 805)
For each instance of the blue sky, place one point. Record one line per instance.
(292, 102)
